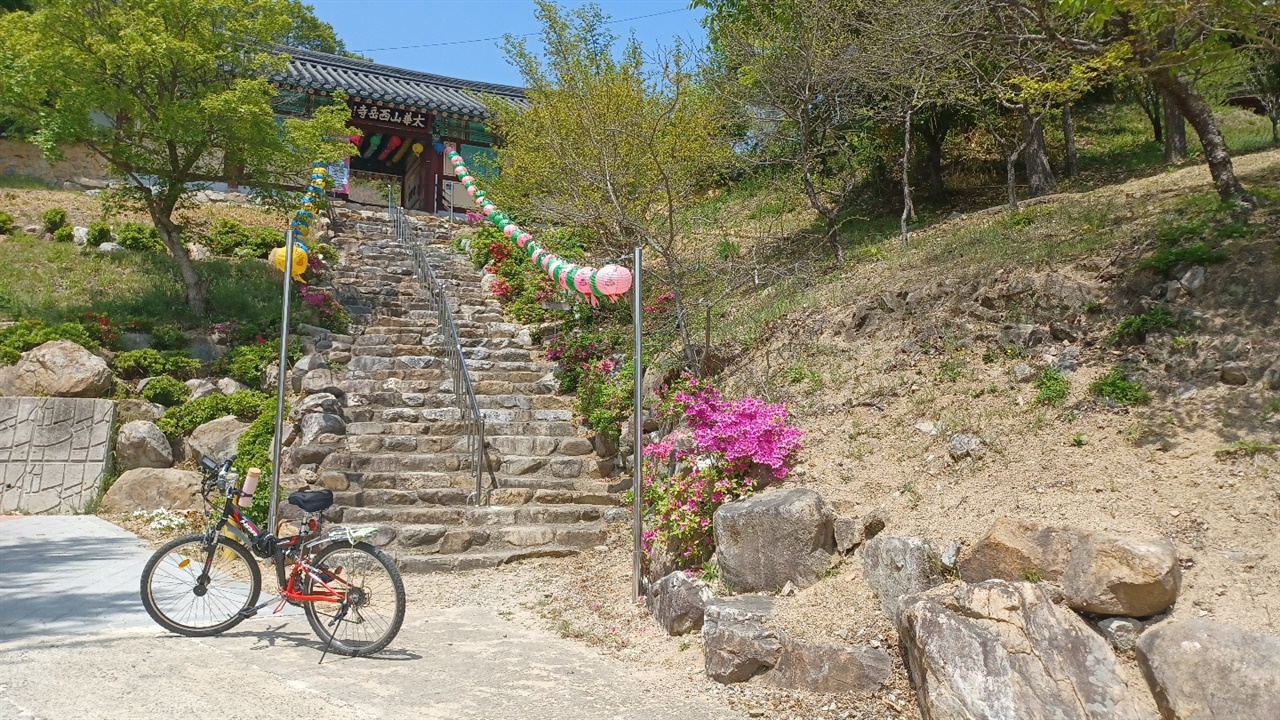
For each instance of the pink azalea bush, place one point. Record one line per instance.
(713, 457)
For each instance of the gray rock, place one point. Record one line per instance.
(962, 445)
(1205, 670)
(316, 424)
(898, 566)
(1099, 573)
(1068, 360)
(816, 667)
(153, 489)
(1005, 651)
(848, 534)
(951, 556)
(135, 340)
(321, 381)
(130, 410)
(575, 446)
(1271, 378)
(110, 248)
(228, 386)
(874, 523)
(1193, 278)
(314, 361)
(318, 403)
(140, 444)
(1233, 373)
(770, 538)
(198, 252)
(1172, 291)
(201, 388)
(270, 378)
(1022, 372)
(737, 646)
(80, 235)
(1060, 330)
(677, 602)
(58, 368)
(1023, 336)
(1121, 632)
(215, 439)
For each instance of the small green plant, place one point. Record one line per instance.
(139, 237)
(710, 571)
(799, 374)
(1078, 440)
(1270, 408)
(989, 356)
(6, 223)
(1199, 253)
(168, 337)
(247, 405)
(1051, 387)
(254, 450)
(21, 337)
(1135, 327)
(911, 494)
(229, 238)
(1118, 388)
(1093, 306)
(166, 391)
(246, 363)
(99, 233)
(1182, 343)
(1031, 575)
(1019, 219)
(53, 219)
(951, 369)
(685, 645)
(1181, 232)
(64, 234)
(1247, 448)
(727, 250)
(134, 364)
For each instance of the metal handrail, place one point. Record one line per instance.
(464, 394)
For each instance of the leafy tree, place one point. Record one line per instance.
(168, 93)
(609, 142)
(1264, 81)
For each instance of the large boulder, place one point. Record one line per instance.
(898, 566)
(216, 439)
(677, 602)
(130, 410)
(140, 444)
(153, 489)
(770, 539)
(58, 368)
(1205, 670)
(316, 424)
(1005, 651)
(1099, 573)
(314, 361)
(318, 403)
(201, 388)
(829, 668)
(737, 644)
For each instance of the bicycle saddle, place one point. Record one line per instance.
(312, 500)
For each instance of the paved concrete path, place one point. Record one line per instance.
(76, 643)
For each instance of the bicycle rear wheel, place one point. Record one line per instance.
(194, 588)
(368, 620)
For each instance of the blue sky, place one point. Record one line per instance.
(373, 27)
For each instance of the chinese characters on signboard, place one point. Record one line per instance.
(408, 118)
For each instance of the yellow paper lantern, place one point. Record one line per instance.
(300, 260)
(418, 148)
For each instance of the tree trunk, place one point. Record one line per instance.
(1274, 116)
(1192, 106)
(171, 234)
(1149, 101)
(935, 132)
(833, 237)
(1175, 134)
(1069, 140)
(829, 214)
(908, 208)
(1040, 178)
(1011, 176)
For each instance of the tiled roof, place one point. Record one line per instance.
(371, 82)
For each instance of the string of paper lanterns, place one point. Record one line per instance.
(610, 281)
(301, 223)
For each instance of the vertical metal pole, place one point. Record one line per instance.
(637, 422)
(278, 441)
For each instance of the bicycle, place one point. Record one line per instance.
(207, 583)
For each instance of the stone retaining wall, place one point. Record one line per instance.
(24, 159)
(54, 452)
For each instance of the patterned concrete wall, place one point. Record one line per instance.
(53, 452)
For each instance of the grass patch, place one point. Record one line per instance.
(1051, 387)
(1135, 327)
(1200, 253)
(1118, 388)
(1246, 448)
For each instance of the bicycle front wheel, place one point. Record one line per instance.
(192, 587)
(372, 608)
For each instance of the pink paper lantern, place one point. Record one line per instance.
(471, 191)
(510, 230)
(613, 280)
(489, 208)
(582, 281)
(520, 241)
(466, 179)
(524, 237)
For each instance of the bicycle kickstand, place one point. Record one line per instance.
(335, 624)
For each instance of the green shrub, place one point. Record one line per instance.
(1117, 387)
(246, 405)
(168, 337)
(260, 242)
(1136, 327)
(64, 234)
(6, 223)
(230, 238)
(254, 450)
(1051, 387)
(139, 237)
(605, 396)
(135, 364)
(99, 232)
(53, 219)
(1199, 253)
(1174, 234)
(19, 338)
(246, 363)
(166, 391)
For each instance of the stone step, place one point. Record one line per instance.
(469, 516)
(415, 481)
(415, 563)
(457, 496)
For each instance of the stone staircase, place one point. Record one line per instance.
(405, 463)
